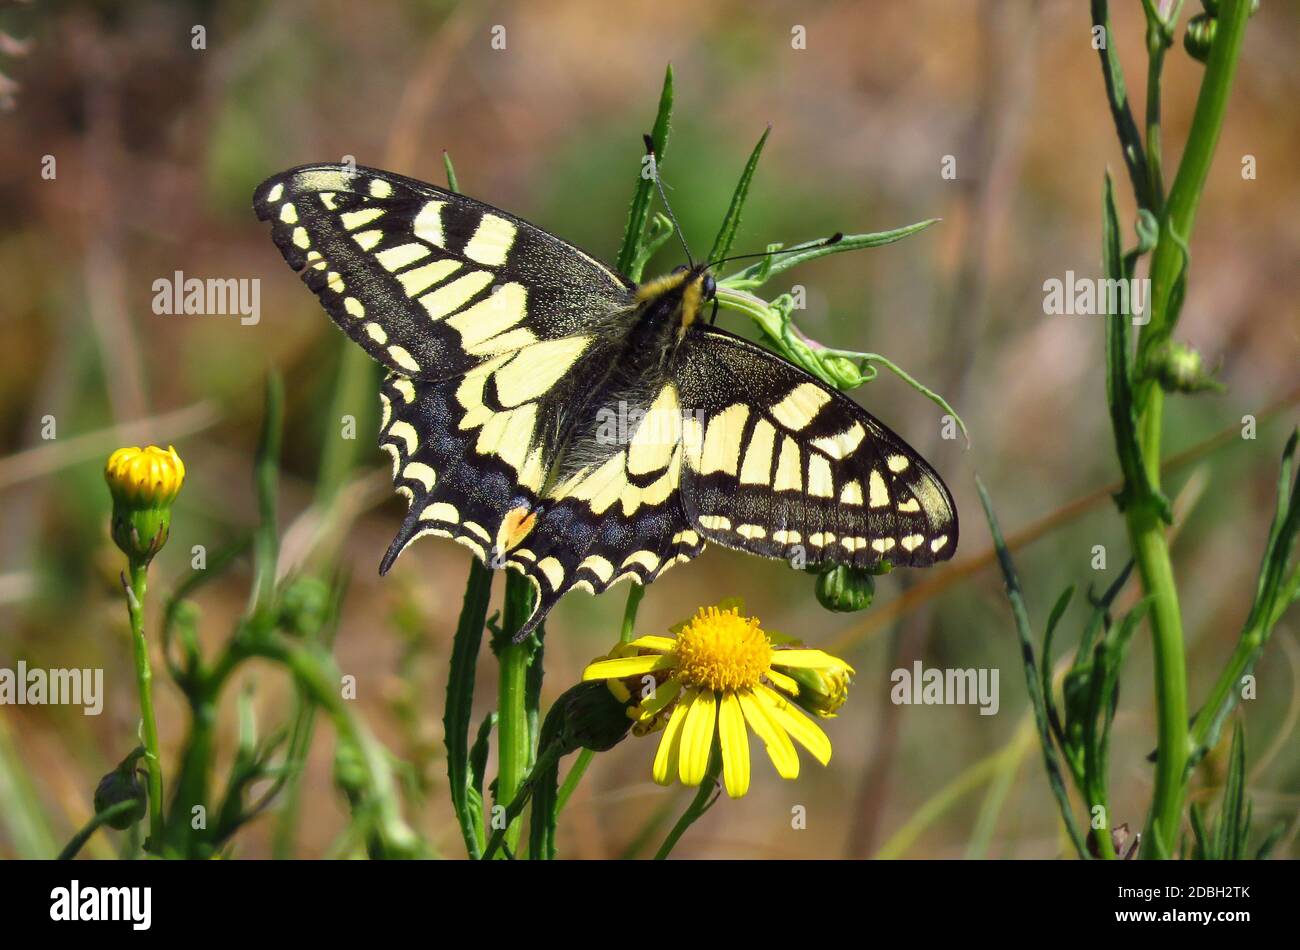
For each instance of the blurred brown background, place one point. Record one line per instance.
(158, 147)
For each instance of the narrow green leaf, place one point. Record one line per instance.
(460, 700)
(1122, 114)
(1045, 667)
(1228, 843)
(1100, 613)
(452, 184)
(545, 813)
(758, 274)
(731, 223)
(1270, 841)
(1021, 617)
(1204, 847)
(1119, 373)
(639, 213)
(266, 476)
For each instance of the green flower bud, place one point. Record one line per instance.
(143, 483)
(845, 589)
(121, 785)
(1199, 37)
(1179, 368)
(1212, 7)
(304, 606)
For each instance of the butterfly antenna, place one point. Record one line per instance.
(654, 165)
(833, 239)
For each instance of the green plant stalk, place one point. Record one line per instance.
(1151, 551)
(191, 787)
(1145, 524)
(704, 798)
(81, 837)
(514, 735)
(627, 634)
(1160, 34)
(135, 595)
(572, 778)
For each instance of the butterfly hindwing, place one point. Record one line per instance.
(587, 531)
(429, 282)
(779, 464)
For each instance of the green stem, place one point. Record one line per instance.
(1151, 551)
(1145, 525)
(135, 595)
(702, 802)
(571, 780)
(627, 634)
(634, 594)
(81, 837)
(1169, 257)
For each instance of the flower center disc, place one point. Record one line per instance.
(720, 650)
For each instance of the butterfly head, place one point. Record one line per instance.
(687, 290)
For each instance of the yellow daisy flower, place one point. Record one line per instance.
(719, 674)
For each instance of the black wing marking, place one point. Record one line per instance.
(780, 464)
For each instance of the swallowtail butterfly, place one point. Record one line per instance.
(559, 419)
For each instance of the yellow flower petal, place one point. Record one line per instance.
(779, 747)
(788, 717)
(697, 738)
(735, 746)
(664, 694)
(659, 644)
(666, 757)
(626, 666)
(783, 682)
(808, 659)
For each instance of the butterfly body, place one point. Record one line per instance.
(565, 422)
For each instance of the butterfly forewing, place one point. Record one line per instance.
(429, 282)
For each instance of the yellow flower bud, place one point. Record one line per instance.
(147, 477)
(143, 483)
(823, 690)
